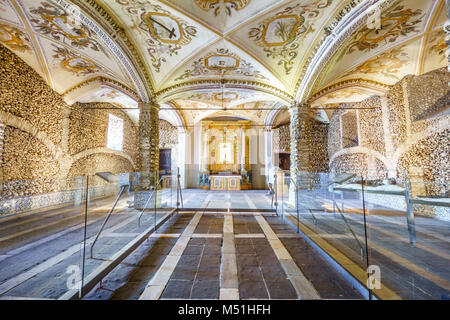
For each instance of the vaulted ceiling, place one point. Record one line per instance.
(199, 58)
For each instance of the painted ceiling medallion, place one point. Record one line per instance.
(165, 28)
(226, 96)
(168, 33)
(279, 34)
(222, 62)
(225, 61)
(74, 63)
(218, 5)
(215, 96)
(395, 23)
(52, 20)
(14, 38)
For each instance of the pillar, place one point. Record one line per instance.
(148, 144)
(182, 144)
(2, 142)
(268, 137)
(300, 128)
(447, 31)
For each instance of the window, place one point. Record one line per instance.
(115, 133)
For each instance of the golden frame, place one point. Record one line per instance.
(64, 18)
(236, 58)
(153, 31)
(291, 35)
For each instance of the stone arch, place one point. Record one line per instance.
(87, 159)
(357, 159)
(19, 123)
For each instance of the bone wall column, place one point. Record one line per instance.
(149, 144)
(2, 143)
(300, 145)
(447, 30)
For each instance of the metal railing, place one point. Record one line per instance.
(121, 191)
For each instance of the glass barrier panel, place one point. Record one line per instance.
(409, 232)
(122, 213)
(41, 234)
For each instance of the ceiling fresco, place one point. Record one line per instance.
(408, 42)
(235, 57)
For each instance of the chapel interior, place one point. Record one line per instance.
(286, 146)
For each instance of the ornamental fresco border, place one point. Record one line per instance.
(218, 5)
(369, 84)
(386, 64)
(51, 19)
(204, 66)
(14, 38)
(166, 93)
(279, 35)
(397, 20)
(75, 63)
(107, 81)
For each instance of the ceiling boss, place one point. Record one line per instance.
(217, 5)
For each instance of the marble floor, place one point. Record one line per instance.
(225, 245)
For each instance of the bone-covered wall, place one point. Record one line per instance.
(404, 131)
(44, 140)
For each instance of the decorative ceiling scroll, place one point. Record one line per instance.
(395, 23)
(74, 63)
(14, 38)
(52, 20)
(218, 5)
(168, 33)
(222, 62)
(387, 64)
(279, 34)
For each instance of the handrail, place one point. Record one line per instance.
(343, 180)
(385, 192)
(145, 206)
(339, 210)
(351, 230)
(310, 210)
(122, 189)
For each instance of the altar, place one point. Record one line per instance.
(224, 161)
(225, 182)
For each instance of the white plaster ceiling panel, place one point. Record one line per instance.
(18, 41)
(164, 37)
(111, 95)
(257, 117)
(223, 60)
(404, 20)
(255, 111)
(388, 67)
(52, 21)
(345, 95)
(67, 67)
(283, 38)
(227, 97)
(224, 15)
(108, 94)
(9, 14)
(434, 56)
(441, 15)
